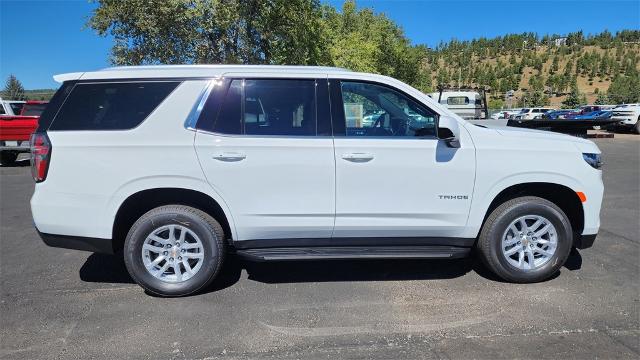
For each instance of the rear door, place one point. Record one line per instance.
(394, 178)
(265, 147)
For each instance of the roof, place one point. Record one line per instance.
(453, 93)
(186, 71)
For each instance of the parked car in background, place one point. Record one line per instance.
(584, 110)
(558, 114)
(466, 104)
(628, 116)
(10, 107)
(593, 115)
(174, 167)
(531, 113)
(505, 114)
(15, 131)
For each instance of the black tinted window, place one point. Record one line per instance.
(268, 107)
(110, 106)
(230, 116)
(279, 107)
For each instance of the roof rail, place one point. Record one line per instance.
(218, 66)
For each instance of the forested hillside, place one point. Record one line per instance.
(600, 68)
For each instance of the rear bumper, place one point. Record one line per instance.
(104, 246)
(16, 145)
(584, 241)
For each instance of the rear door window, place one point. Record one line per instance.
(280, 107)
(111, 106)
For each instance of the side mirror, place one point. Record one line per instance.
(449, 131)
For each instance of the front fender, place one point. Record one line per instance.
(483, 198)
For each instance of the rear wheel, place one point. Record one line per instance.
(8, 157)
(525, 240)
(174, 250)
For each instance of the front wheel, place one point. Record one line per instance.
(525, 240)
(637, 127)
(174, 250)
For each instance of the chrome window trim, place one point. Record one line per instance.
(192, 119)
(242, 136)
(404, 138)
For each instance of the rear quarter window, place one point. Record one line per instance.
(111, 106)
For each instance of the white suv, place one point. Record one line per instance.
(531, 113)
(628, 116)
(177, 166)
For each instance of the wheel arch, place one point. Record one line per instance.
(561, 195)
(138, 203)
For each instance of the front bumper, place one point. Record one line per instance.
(625, 120)
(584, 241)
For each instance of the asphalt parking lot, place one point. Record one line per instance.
(58, 303)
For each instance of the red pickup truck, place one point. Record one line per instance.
(15, 131)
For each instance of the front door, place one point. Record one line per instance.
(394, 178)
(269, 155)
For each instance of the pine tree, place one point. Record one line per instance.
(575, 97)
(13, 89)
(602, 99)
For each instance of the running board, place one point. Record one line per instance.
(355, 252)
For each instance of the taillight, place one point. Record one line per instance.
(40, 156)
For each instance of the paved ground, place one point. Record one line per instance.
(59, 303)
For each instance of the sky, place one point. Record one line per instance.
(39, 39)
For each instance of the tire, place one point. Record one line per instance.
(637, 127)
(8, 157)
(491, 248)
(187, 224)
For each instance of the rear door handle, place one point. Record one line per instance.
(230, 156)
(357, 157)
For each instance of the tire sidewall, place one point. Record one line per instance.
(564, 234)
(144, 227)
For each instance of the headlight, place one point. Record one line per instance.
(593, 159)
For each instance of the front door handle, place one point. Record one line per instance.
(358, 157)
(230, 156)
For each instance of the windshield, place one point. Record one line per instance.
(16, 107)
(33, 109)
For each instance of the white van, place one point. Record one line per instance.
(466, 104)
(179, 167)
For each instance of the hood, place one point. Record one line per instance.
(538, 134)
(525, 134)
